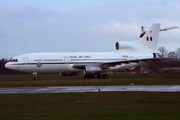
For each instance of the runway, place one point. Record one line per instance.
(66, 89)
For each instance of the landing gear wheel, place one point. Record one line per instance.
(85, 76)
(92, 76)
(99, 76)
(106, 76)
(103, 76)
(35, 75)
(35, 78)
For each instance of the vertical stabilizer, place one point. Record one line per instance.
(150, 39)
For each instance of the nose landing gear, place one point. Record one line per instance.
(35, 75)
(35, 78)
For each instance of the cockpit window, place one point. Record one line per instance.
(14, 60)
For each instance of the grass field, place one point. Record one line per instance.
(90, 106)
(115, 79)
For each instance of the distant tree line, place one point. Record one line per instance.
(174, 62)
(154, 66)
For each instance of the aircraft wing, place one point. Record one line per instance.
(111, 64)
(135, 61)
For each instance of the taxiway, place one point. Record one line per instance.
(65, 89)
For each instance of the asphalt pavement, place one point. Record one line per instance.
(65, 89)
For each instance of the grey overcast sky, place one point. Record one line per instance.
(28, 26)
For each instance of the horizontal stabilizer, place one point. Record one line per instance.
(169, 28)
(163, 29)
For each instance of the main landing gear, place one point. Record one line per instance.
(103, 76)
(98, 76)
(35, 75)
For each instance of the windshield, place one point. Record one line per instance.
(14, 60)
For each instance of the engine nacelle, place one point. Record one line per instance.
(92, 70)
(125, 45)
(68, 73)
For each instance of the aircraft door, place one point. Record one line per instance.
(26, 60)
(66, 59)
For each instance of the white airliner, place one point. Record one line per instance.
(127, 55)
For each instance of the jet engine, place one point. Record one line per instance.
(68, 73)
(124, 45)
(92, 70)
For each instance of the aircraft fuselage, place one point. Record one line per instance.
(64, 62)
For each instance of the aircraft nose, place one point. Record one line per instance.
(7, 65)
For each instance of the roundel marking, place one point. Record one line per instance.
(39, 64)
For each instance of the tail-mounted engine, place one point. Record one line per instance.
(124, 45)
(92, 70)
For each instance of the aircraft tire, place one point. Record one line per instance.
(92, 76)
(106, 76)
(35, 78)
(99, 76)
(86, 76)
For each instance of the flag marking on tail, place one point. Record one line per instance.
(149, 38)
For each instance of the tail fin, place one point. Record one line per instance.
(150, 39)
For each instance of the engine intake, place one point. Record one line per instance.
(92, 70)
(124, 45)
